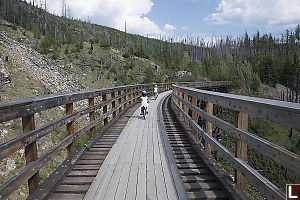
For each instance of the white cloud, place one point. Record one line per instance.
(272, 14)
(185, 28)
(169, 27)
(112, 13)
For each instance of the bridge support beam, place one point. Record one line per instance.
(241, 149)
(208, 126)
(92, 116)
(31, 154)
(70, 127)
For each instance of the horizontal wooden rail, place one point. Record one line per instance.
(114, 101)
(288, 114)
(23, 107)
(284, 157)
(285, 113)
(11, 146)
(268, 188)
(127, 95)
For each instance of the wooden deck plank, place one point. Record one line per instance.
(123, 183)
(151, 190)
(117, 167)
(171, 192)
(125, 165)
(135, 168)
(133, 175)
(141, 186)
(83, 173)
(64, 196)
(72, 188)
(98, 187)
(160, 182)
(93, 191)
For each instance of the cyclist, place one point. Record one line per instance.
(145, 101)
(155, 90)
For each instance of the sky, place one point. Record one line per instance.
(196, 18)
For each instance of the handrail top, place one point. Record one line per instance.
(22, 107)
(269, 102)
(28, 100)
(24, 101)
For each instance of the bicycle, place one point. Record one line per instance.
(144, 112)
(155, 95)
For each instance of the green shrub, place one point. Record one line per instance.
(104, 43)
(55, 55)
(15, 126)
(255, 82)
(81, 140)
(66, 50)
(79, 46)
(14, 27)
(47, 42)
(126, 55)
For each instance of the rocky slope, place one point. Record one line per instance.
(53, 77)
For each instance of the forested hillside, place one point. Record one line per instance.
(46, 53)
(246, 61)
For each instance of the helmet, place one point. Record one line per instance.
(155, 85)
(144, 92)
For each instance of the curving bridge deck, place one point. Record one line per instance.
(136, 166)
(170, 155)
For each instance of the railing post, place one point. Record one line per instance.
(186, 108)
(208, 126)
(194, 115)
(113, 104)
(31, 154)
(120, 100)
(70, 127)
(135, 94)
(180, 103)
(125, 97)
(129, 96)
(92, 116)
(104, 98)
(241, 148)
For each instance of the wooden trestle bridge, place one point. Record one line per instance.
(170, 155)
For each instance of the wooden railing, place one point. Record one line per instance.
(185, 102)
(111, 102)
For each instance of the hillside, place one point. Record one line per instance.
(43, 53)
(59, 38)
(32, 73)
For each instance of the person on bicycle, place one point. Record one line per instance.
(155, 90)
(145, 101)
